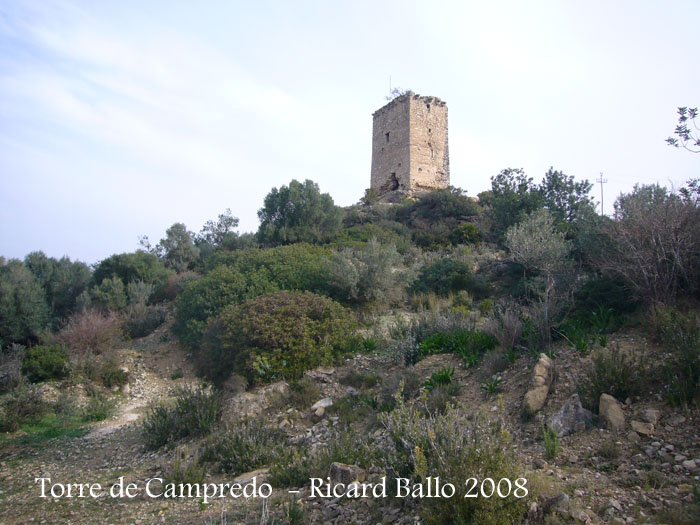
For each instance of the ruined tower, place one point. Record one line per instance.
(409, 147)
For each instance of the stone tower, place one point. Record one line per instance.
(409, 147)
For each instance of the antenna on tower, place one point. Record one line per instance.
(602, 181)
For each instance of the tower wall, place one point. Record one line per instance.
(410, 153)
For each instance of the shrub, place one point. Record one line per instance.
(11, 367)
(505, 325)
(373, 274)
(174, 286)
(45, 362)
(205, 298)
(680, 334)
(551, 441)
(406, 382)
(109, 295)
(463, 343)
(440, 378)
(465, 234)
(605, 292)
(143, 320)
(90, 332)
(98, 407)
(245, 447)
(194, 413)
(443, 277)
(279, 335)
(22, 405)
(130, 267)
(451, 447)
(614, 372)
(139, 292)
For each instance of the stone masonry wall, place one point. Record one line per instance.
(409, 147)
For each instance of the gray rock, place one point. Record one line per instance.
(571, 417)
(689, 464)
(556, 504)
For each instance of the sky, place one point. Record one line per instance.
(118, 119)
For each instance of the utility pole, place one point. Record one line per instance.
(602, 181)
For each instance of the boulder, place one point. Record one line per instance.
(640, 427)
(342, 473)
(322, 403)
(611, 413)
(571, 418)
(542, 376)
(650, 415)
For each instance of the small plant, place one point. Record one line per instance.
(182, 471)
(602, 320)
(194, 413)
(486, 307)
(609, 450)
(603, 340)
(177, 374)
(551, 442)
(440, 378)
(293, 512)
(612, 371)
(358, 380)
(244, 447)
(492, 387)
(98, 407)
(369, 344)
(45, 362)
(511, 355)
(577, 335)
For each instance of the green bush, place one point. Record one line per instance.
(205, 298)
(45, 362)
(611, 371)
(194, 413)
(470, 344)
(279, 335)
(605, 292)
(109, 295)
(448, 446)
(143, 320)
(465, 234)
(293, 267)
(443, 277)
(551, 442)
(129, 267)
(440, 378)
(371, 275)
(244, 447)
(22, 405)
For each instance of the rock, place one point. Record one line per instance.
(689, 464)
(639, 427)
(320, 412)
(351, 391)
(573, 458)
(542, 376)
(342, 473)
(126, 389)
(245, 479)
(571, 417)
(539, 463)
(556, 504)
(322, 403)
(611, 413)
(650, 415)
(633, 437)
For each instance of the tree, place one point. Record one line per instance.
(23, 309)
(544, 253)
(566, 199)
(177, 249)
(687, 138)
(62, 280)
(298, 213)
(137, 266)
(512, 196)
(653, 242)
(220, 233)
